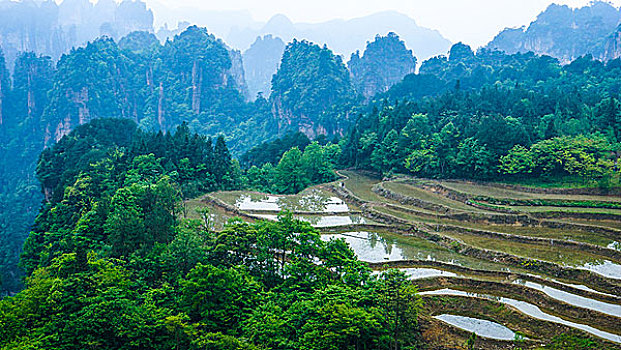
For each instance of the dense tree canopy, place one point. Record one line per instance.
(476, 116)
(113, 263)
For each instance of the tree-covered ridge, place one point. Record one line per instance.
(385, 62)
(140, 42)
(96, 81)
(112, 262)
(270, 152)
(460, 123)
(310, 81)
(192, 78)
(109, 172)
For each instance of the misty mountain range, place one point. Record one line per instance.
(51, 29)
(566, 33)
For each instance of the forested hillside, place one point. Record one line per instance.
(112, 260)
(492, 116)
(194, 78)
(311, 81)
(385, 61)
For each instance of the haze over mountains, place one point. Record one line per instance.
(567, 33)
(52, 29)
(46, 28)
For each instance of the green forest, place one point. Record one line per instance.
(112, 263)
(102, 151)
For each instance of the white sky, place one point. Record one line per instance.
(472, 21)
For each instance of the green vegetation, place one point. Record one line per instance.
(310, 82)
(296, 170)
(122, 254)
(384, 63)
(494, 116)
(111, 262)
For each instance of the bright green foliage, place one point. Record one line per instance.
(115, 189)
(289, 175)
(399, 304)
(252, 284)
(386, 157)
(220, 299)
(112, 264)
(270, 152)
(589, 158)
(318, 162)
(470, 115)
(81, 302)
(296, 170)
(124, 226)
(518, 161)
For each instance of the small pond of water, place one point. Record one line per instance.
(482, 328)
(530, 310)
(315, 201)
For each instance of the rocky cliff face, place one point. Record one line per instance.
(96, 81)
(611, 47)
(236, 72)
(310, 81)
(46, 28)
(385, 62)
(32, 79)
(564, 33)
(193, 78)
(261, 62)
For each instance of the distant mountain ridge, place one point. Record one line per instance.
(567, 33)
(345, 37)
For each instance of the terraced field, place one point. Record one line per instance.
(517, 274)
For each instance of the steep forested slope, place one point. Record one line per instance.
(385, 62)
(112, 260)
(310, 81)
(194, 78)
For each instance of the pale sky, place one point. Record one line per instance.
(472, 21)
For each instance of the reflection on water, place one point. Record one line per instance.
(605, 268)
(418, 273)
(423, 272)
(370, 247)
(483, 328)
(333, 221)
(267, 203)
(323, 221)
(530, 310)
(579, 286)
(383, 247)
(313, 201)
(573, 299)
